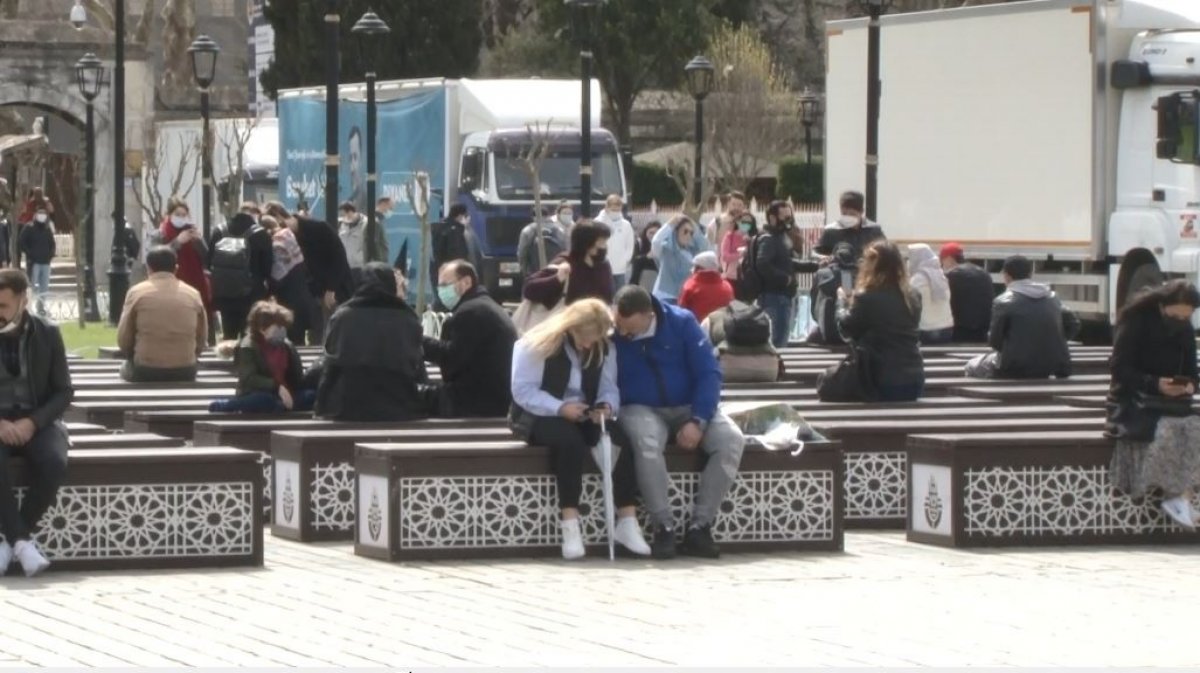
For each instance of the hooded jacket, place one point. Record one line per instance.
(374, 369)
(1144, 351)
(621, 243)
(928, 279)
(1030, 328)
(705, 292)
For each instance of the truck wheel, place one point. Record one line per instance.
(1145, 276)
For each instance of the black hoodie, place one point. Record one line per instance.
(258, 245)
(374, 369)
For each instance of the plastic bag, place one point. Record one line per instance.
(775, 426)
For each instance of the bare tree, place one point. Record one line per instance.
(158, 167)
(233, 139)
(418, 197)
(179, 21)
(529, 159)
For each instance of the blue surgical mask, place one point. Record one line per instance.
(447, 296)
(178, 222)
(745, 227)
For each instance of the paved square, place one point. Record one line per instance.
(882, 602)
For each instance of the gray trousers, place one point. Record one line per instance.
(650, 430)
(135, 373)
(983, 366)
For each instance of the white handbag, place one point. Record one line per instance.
(530, 314)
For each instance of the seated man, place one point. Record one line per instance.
(971, 295)
(670, 385)
(372, 367)
(475, 348)
(35, 389)
(1029, 331)
(164, 326)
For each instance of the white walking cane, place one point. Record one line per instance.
(605, 461)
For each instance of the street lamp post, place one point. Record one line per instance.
(204, 53)
(118, 271)
(89, 75)
(875, 9)
(332, 73)
(583, 17)
(808, 116)
(370, 27)
(699, 73)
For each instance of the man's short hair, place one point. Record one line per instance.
(773, 211)
(735, 195)
(1018, 267)
(15, 280)
(852, 200)
(633, 300)
(348, 207)
(457, 210)
(463, 269)
(382, 200)
(161, 258)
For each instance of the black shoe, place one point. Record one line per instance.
(663, 546)
(699, 542)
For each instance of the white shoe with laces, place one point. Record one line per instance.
(572, 543)
(6, 556)
(1179, 510)
(32, 561)
(629, 535)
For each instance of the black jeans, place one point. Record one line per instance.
(46, 461)
(569, 443)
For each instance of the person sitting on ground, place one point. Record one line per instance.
(926, 277)
(670, 386)
(852, 227)
(564, 383)
(241, 268)
(706, 290)
(1029, 331)
(741, 337)
(882, 317)
(164, 325)
(269, 369)
(583, 273)
(1149, 407)
(35, 390)
(374, 369)
(675, 246)
(474, 351)
(971, 295)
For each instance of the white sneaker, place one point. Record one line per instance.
(629, 536)
(32, 561)
(6, 555)
(1180, 511)
(572, 544)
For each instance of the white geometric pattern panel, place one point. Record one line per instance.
(876, 485)
(1054, 501)
(149, 521)
(522, 510)
(331, 496)
(268, 490)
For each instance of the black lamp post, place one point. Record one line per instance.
(204, 53)
(875, 9)
(700, 80)
(584, 11)
(809, 105)
(370, 27)
(118, 272)
(332, 74)
(89, 75)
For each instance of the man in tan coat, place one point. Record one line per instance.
(163, 326)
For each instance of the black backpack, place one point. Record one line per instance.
(750, 283)
(746, 325)
(231, 276)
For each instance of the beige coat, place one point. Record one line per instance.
(163, 324)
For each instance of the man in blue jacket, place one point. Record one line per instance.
(670, 386)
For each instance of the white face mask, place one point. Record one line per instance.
(848, 221)
(275, 334)
(178, 222)
(565, 219)
(40, 217)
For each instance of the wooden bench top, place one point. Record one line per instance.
(1019, 392)
(125, 441)
(1089, 438)
(982, 413)
(181, 391)
(118, 386)
(166, 455)
(74, 429)
(842, 429)
(1085, 401)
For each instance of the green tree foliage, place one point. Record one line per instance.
(652, 183)
(429, 38)
(802, 182)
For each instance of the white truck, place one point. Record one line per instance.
(1062, 130)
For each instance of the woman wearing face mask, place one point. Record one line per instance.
(734, 242)
(179, 232)
(675, 246)
(581, 273)
(622, 241)
(927, 278)
(564, 383)
(1150, 399)
(37, 244)
(268, 367)
(289, 278)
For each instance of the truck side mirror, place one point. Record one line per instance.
(1169, 130)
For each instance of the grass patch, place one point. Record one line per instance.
(87, 341)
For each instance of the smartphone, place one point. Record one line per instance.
(1181, 380)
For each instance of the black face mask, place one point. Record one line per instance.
(1176, 326)
(600, 255)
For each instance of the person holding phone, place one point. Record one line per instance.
(1149, 406)
(180, 233)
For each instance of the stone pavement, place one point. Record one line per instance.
(883, 602)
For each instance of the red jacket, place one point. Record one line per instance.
(190, 265)
(705, 292)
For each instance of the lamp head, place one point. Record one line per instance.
(204, 60)
(699, 73)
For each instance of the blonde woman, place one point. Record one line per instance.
(564, 381)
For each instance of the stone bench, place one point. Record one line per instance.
(1024, 489)
(876, 452)
(111, 413)
(1030, 393)
(76, 429)
(138, 440)
(182, 423)
(208, 384)
(154, 508)
(498, 499)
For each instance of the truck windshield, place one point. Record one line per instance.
(559, 175)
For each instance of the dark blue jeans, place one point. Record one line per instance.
(779, 309)
(264, 403)
(906, 393)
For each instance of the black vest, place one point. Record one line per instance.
(555, 377)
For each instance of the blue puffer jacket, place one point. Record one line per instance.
(674, 368)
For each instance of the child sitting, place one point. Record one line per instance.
(269, 370)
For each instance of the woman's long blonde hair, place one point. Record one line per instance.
(590, 316)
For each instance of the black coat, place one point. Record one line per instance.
(475, 356)
(373, 369)
(773, 262)
(1143, 352)
(858, 238)
(258, 246)
(325, 259)
(37, 242)
(1031, 333)
(971, 296)
(880, 322)
(48, 373)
